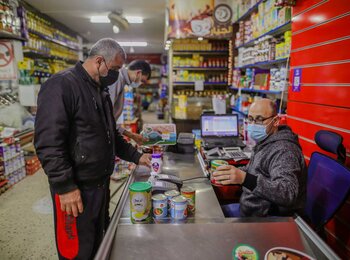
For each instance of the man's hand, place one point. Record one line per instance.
(139, 139)
(146, 160)
(71, 202)
(228, 174)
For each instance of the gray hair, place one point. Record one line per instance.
(108, 48)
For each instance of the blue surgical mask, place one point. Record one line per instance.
(257, 132)
(135, 84)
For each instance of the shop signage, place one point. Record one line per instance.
(199, 18)
(296, 80)
(7, 63)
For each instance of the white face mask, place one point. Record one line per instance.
(136, 83)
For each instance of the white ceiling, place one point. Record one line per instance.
(76, 15)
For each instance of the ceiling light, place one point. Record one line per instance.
(134, 44)
(134, 19)
(168, 42)
(116, 29)
(99, 19)
(200, 38)
(166, 48)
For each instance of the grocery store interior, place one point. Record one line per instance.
(229, 122)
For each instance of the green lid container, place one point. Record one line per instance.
(140, 186)
(216, 163)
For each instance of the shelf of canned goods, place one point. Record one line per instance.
(205, 233)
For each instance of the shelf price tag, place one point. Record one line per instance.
(199, 85)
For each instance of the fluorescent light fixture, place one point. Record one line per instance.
(116, 29)
(99, 19)
(200, 38)
(168, 42)
(134, 44)
(134, 19)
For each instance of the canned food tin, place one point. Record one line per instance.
(171, 194)
(160, 208)
(140, 202)
(179, 207)
(214, 165)
(190, 194)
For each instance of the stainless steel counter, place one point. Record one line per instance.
(206, 235)
(185, 167)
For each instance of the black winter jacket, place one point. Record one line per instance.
(75, 132)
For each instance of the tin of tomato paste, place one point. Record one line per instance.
(190, 194)
(140, 202)
(179, 207)
(160, 206)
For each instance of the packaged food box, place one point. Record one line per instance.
(160, 134)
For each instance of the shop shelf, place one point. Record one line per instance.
(189, 83)
(249, 12)
(240, 112)
(54, 40)
(201, 68)
(264, 63)
(278, 30)
(200, 52)
(275, 92)
(8, 35)
(39, 55)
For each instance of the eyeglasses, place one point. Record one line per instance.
(259, 120)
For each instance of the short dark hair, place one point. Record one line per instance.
(141, 65)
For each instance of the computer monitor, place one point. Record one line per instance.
(219, 125)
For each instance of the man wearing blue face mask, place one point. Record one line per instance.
(136, 74)
(274, 181)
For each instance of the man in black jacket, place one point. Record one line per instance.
(274, 181)
(76, 141)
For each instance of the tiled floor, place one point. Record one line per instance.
(26, 220)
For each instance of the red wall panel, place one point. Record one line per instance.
(299, 128)
(323, 33)
(321, 54)
(329, 74)
(303, 5)
(338, 117)
(321, 14)
(326, 95)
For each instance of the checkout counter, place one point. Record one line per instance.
(207, 234)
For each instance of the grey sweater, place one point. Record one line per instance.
(116, 92)
(276, 177)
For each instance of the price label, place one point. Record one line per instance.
(199, 85)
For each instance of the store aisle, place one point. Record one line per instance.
(150, 118)
(26, 220)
